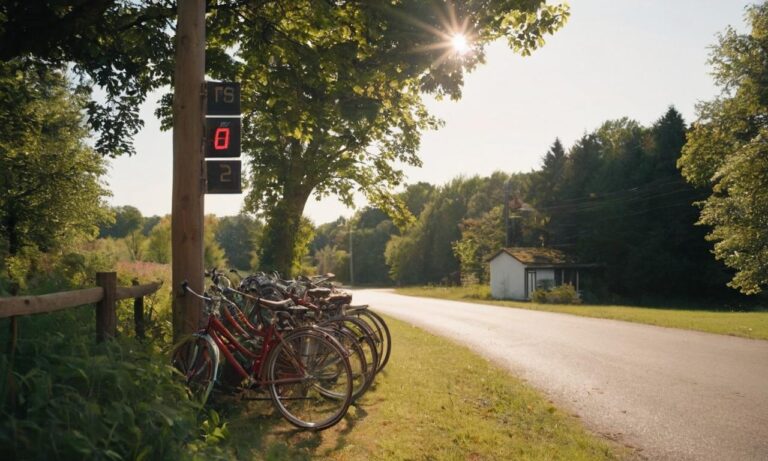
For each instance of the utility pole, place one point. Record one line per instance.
(188, 125)
(506, 214)
(351, 257)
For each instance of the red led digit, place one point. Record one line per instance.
(221, 138)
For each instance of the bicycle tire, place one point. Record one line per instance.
(197, 359)
(362, 376)
(364, 336)
(309, 379)
(382, 331)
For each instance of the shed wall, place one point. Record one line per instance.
(507, 278)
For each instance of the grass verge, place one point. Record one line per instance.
(752, 325)
(435, 400)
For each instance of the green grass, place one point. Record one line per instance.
(435, 400)
(752, 325)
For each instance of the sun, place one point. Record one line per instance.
(460, 43)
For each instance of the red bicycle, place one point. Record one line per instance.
(305, 371)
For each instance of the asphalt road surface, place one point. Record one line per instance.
(671, 394)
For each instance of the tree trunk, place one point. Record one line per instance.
(278, 246)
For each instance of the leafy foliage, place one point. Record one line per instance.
(563, 294)
(78, 402)
(620, 201)
(479, 239)
(120, 46)
(64, 397)
(238, 236)
(128, 219)
(213, 254)
(51, 193)
(727, 151)
(159, 242)
(333, 94)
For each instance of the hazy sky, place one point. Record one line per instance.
(614, 58)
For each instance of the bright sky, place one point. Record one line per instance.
(614, 58)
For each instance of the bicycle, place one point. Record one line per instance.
(306, 371)
(319, 291)
(360, 349)
(326, 310)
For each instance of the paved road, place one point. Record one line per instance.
(673, 394)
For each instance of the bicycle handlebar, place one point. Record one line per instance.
(186, 288)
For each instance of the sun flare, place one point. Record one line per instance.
(460, 44)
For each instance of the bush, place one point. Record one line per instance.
(157, 306)
(64, 397)
(74, 401)
(477, 291)
(563, 294)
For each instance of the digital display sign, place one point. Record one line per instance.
(223, 177)
(222, 98)
(222, 137)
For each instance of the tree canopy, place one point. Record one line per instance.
(333, 92)
(727, 151)
(50, 181)
(122, 47)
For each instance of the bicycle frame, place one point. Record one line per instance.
(226, 343)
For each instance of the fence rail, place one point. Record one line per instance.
(105, 295)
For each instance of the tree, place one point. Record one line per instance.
(333, 93)
(159, 242)
(423, 253)
(213, 254)
(548, 182)
(238, 237)
(727, 151)
(128, 219)
(371, 230)
(480, 238)
(121, 46)
(331, 259)
(416, 196)
(51, 192)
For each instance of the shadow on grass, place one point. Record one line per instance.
(258, 431)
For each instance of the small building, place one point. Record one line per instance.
(517, 272)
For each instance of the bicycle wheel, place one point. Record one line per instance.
(197, 360)
(364, 336)
(381, 330)
(362, 376)
(309, 379)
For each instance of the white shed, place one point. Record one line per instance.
(517, 272)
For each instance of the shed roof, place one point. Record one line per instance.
(536, 256)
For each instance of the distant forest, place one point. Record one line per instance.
(615, 197)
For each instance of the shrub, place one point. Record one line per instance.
(69, 398)
(563, 294)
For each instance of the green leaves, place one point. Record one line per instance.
(333, 93)
(727, 150)
(75, 400)
(525, 30)
(51, 192)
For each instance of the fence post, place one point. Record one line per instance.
(138, 313)
(106, 317)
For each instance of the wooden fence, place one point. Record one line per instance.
(104, 295)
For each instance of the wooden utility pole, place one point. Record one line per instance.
(506, 214)
(351, 257)
(188, 126)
